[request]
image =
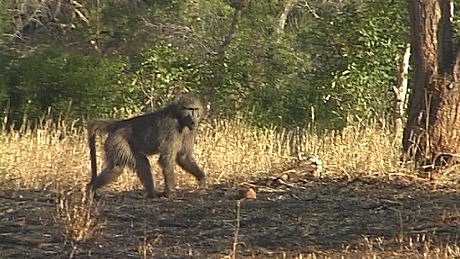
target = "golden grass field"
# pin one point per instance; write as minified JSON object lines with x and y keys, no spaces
{"x":364,"y":204}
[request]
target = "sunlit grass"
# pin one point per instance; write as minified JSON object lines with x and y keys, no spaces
{"x":56,"y":157}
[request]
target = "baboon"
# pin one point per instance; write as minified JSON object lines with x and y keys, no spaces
{"x":169,"y":131}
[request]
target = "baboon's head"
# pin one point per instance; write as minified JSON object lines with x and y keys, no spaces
{"x":188,"y":110}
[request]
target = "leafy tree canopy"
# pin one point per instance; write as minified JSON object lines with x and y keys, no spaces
{"x":331,"y":60}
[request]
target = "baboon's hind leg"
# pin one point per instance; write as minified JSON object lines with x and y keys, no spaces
{"x":143,"y":171}
{"x":166,"y":162}
{"x":108,"y":175}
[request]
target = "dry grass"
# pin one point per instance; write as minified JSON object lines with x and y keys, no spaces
{"x":54,"y":156}
{"x":78,"y":216}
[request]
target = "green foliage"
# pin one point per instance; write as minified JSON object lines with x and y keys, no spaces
{"x":372,"y":60}
{"x":340,"y":64}
{"x":6,"y":54}
{"x":334,"y":59}
{"x":70,"y":84}
{"x":5,"y":58}
{"x":157,"y":73}
{"x":355,"y":53}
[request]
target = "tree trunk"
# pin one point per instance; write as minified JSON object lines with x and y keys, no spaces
{"x":281,"y":22}
{"x":400,"y":95}
{"x":432,"y":132}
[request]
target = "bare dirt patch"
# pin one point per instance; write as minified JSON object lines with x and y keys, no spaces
{"x":327,"y":216}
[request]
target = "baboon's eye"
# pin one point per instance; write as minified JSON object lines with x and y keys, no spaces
{"x":193,"y":111}
{"x":191,"y":108}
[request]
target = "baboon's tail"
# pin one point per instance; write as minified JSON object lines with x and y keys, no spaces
{"x":93,"y":128}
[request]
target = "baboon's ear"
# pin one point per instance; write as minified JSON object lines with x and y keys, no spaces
{"x":205,"y":110}
{"x":181,"y":98}
{"x":175,"y":100}
{"x":187,"y":99}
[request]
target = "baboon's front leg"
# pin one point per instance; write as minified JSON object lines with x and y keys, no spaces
{"x":188,"y":163}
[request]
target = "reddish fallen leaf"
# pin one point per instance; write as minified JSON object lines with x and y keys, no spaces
{"x":247,"y":193}
{"x":250,"y":194}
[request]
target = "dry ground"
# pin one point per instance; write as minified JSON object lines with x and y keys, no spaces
{"x":311,"y":217}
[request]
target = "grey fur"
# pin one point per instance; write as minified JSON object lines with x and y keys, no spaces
{"x":168,"y":131}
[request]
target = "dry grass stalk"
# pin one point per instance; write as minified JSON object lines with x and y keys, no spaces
{"x":237,"y":229}
{"x":79,"y":217}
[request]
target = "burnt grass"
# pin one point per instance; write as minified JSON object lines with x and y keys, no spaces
{"x":328,"y":216}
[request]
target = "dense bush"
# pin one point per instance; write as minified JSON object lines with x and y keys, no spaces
{"x":68,"y":84}
{"x":331,"y":61}
{"x":157,"y":73}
